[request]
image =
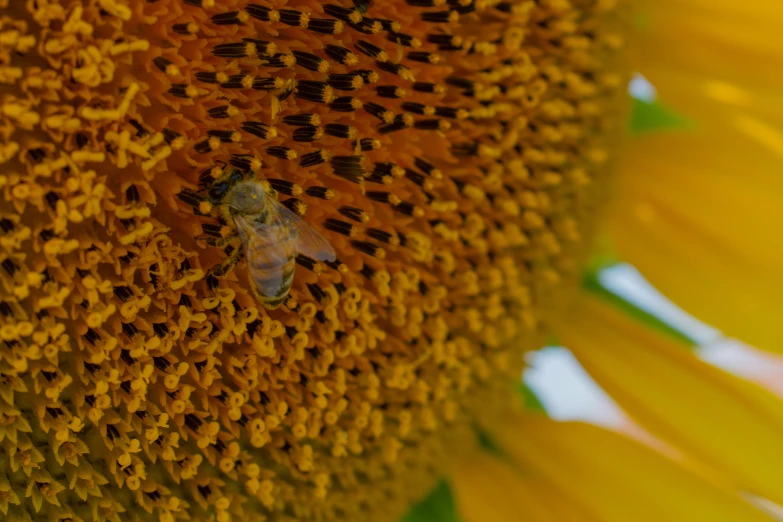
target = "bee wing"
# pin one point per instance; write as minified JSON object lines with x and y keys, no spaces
{"x":273,"y":241}
{"x":309,"y":241}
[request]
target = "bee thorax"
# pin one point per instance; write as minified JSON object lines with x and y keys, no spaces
{"x":247,"y":197}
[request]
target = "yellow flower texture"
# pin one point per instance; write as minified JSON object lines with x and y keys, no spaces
{"x":452,"y":152}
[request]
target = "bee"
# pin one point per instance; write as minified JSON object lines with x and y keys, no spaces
{"x":271,"y":236}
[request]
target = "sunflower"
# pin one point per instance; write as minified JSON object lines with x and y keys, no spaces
{"x":460,"y":157}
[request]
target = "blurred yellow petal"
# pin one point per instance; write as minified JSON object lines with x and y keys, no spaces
{"x":722,"y":40}
{"x":562,"y":507}
{"x":727,"y":423}
{"x":700,"y":216}
{"x":616,"y":478}
{"x":707,"y":100}
{"x":488,"y":489}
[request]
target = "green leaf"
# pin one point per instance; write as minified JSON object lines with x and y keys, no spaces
{"x":438,"y":506}
{"x":532,"y":402}
{"x":487,"y":442}
{"x":653,"y":117}
{"x":592,"y":283}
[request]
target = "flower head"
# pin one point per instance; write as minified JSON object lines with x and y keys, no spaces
{"x":451,"y":152}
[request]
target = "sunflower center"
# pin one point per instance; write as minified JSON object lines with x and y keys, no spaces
{"x":450,"y":151}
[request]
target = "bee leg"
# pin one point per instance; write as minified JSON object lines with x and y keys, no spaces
{"x":219,"y":242}
{"x":226,"y":266}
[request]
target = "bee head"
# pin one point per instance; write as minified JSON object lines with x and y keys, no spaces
{"x":247,"y":197}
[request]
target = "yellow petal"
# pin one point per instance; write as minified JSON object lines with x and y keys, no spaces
{"x":700,"y":215}
{"x":488,"y":489}
{"x":726,"y":57}
{"x":618,"y":479}
{"x":707,"y":100}
{"x":727,"y":423}
{"x":724,"y":40}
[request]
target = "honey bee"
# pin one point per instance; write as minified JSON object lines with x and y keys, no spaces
{"x":271,"y":236}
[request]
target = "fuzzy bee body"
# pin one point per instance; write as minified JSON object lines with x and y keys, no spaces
{"x":270,"y":251}
{"x":272,"y":236}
